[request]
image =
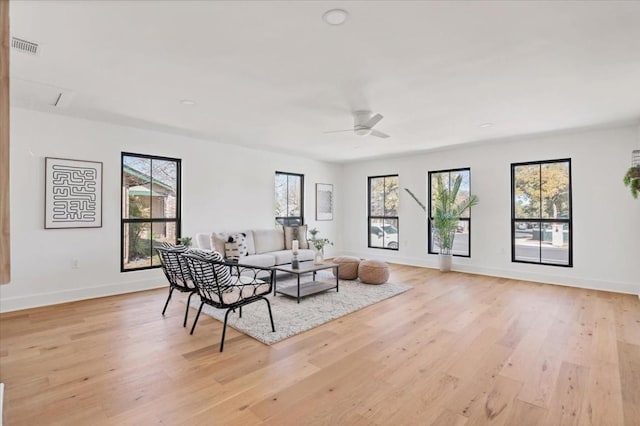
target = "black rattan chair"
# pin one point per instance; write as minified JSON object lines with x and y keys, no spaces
{"x":227,"y":285}
{"x":177,"y":273}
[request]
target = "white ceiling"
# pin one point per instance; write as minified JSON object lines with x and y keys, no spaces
{"x":274,"y":76}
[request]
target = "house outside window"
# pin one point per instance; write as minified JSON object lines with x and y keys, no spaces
{"x":541,"y":213}
{"x":383,"y":220}
{"x":289,"y":199}
{"x":462,"y":240}
{"x":150,"y":212}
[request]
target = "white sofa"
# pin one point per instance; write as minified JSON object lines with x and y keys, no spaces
{"x":266,"y":247}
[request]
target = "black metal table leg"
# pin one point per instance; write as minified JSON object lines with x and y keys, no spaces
{"x":274,"y":283}
{"x":298,"y":287}
{"x":337,"y":281}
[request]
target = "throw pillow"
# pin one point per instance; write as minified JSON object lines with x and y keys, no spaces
{"x":241,"y":240}
{"x":295,"y":233}
{"x":232,"y":251}
{"x":204,"y":276}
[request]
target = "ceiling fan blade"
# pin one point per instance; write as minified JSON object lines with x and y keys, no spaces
{"x":339,"y":131}
{"x":373,"y":121}
{"x":379,"y":134}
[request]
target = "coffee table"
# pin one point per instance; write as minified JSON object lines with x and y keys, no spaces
{"x":309,"y":287}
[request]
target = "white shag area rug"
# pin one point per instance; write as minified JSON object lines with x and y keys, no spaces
{"x":291,"y":318}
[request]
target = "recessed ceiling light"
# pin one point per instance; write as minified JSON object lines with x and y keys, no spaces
{"x":485,"y":125}
{"x":187,"y":102}
{"x":335,"y":16}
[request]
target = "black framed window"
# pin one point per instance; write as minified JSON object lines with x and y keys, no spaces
{"x":383,"y":212}
{"x":150,"y":213}
{"x":541,"y":213}
{"x":462,"y":239}
{"x":289,"y":199}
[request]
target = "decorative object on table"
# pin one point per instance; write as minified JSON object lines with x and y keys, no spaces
{"x":324,"y":201}
{"x":294,"y":318}
{"x":632,"y":177}
{"x":295,"y":264}
{"x":373,"y":272}
{"x":447,"y":210}
{"x":348,"y":267}
{"x":318,"y":244}
{"x":73,"y":193}
{"x":185,"y":241}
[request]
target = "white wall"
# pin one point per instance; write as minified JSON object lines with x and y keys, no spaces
{"x":224,"y":187}
{"x":606,"y":219}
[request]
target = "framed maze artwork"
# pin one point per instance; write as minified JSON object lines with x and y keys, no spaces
{"x":73,"y":193}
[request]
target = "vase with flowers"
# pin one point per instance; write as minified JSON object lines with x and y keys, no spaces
{"x":318,"y":244}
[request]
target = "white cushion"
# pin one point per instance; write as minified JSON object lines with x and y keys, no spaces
{"x":236,"y":293}
{"x":203,"y":242}
{"x":264,"y":260}
{"x":283,"y":256}
{"x":268,"y":240}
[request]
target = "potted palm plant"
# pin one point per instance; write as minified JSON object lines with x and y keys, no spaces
{"x":447,"y":210}
{"x":632,"y":180}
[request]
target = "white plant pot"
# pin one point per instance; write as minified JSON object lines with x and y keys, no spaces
{"x":445,"y":262}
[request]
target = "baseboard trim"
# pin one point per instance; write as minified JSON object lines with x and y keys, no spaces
{"x":11,"y":304}
{"x":586,"y":283}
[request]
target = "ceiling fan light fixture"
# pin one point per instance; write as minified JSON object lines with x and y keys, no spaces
{"x":362,"y":132}
{"x":335,"y":16}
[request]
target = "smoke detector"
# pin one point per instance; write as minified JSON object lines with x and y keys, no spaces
{"x":24,"y":46}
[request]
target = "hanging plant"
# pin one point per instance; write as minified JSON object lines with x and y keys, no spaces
{"x":632,"y":180}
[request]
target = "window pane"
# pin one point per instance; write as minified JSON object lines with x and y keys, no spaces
{"x":391,"y":196}
{"x":164,"y":232}
{"x":376,"y":233}
{"x":390,"y":233}
{"x":555,"y":244}
{"x":136,"y":181}
{"x":288,"y":221}
{"x":444,"y":178}
{"x":465,"y":188}
{"x":281,"y":195}
{"x":555,"y":190}
{"x":377,"y":197}
{"x":294,"y":195}
{"x":163,"y":188}
{"x":461,"y":239}
{"x":527,"y":191}
{"x":527,"y":241}
{"x":137,"y":245}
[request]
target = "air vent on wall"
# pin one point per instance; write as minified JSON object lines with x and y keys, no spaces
{"x":24,"y":46}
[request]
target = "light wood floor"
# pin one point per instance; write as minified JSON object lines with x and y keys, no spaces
{"x":458,"y":349}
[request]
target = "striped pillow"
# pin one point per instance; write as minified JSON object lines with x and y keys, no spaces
{"x":205,"y":275}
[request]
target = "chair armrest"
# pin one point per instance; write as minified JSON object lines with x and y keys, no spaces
{"x":257,"y":272}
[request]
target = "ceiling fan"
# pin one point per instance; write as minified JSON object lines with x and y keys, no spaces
{"x":363,"y":123}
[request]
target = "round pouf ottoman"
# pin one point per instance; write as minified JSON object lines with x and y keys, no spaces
{"x":348,"y":269}
{"x":373,"y":272}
